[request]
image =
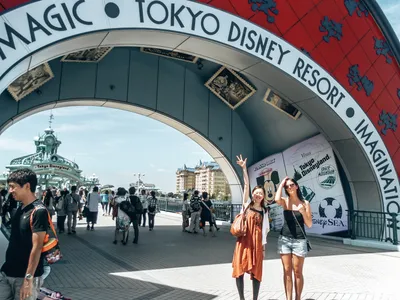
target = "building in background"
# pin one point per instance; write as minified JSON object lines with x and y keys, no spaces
{"x":205,"y":177}
{"x":185,"y":179}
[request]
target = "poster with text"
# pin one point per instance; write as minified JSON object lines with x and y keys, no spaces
{"x":269,"y":172}
{"x":312,"y":164}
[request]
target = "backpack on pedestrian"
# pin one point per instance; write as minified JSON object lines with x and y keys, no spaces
{"x":137,"y":204}
{"x":128,"y":208}
{"x":51,"y":248}
{"x":152,"y":208}
{"x":195,"y":204}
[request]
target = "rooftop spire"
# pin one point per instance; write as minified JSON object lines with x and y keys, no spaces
{"x":51,"y":119}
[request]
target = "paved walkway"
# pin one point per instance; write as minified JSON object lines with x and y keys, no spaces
{"x":169,"y":264}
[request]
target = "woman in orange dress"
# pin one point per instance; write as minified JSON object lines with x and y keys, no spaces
{"x":249,"y":251}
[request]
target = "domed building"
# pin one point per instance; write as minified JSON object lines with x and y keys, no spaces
{"x":52,"y":169}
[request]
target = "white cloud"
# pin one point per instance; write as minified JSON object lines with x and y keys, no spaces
{"x":161,"y":170}
{"x":20,"y":146}
{"x":152,"y":166}
{"x":92,"y":125}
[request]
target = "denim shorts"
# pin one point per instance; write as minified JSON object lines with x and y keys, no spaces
{"x":288,"y":245}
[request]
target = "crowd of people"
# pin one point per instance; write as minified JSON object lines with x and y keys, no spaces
{"x":27,"y":214}
{"x":27,"y":217}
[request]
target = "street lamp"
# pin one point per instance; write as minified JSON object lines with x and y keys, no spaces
{"x":138,"y":182}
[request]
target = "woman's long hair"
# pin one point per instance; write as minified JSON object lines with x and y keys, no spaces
{"x":251,"y":196}
{"x":299,"y":194}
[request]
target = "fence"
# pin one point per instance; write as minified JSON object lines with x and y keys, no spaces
{"x":223,"y":212}
{"x":378,"y":226}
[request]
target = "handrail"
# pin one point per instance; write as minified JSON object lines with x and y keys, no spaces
{"x":380,"y":226}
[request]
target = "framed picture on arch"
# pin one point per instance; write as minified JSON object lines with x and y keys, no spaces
{"x":283,"y":105}
{"x":227,"y":85}
{"x":30,"y":81}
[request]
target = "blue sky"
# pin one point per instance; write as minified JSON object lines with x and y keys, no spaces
{"x":115,"y":144}
{"x":111,"y":143}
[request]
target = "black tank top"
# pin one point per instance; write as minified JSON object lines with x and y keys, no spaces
{"x":290,"y":227}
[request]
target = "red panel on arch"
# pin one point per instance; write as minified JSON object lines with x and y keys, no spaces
{"x":302,"y":7}
{"x":261,"y":19}
{"x":286,"y":17}
{"x":384,"y":69}
{"x":7,"y":4}
{"x":348,"y":41}
{"x":358,"y":57}
{"x":396,"y":161}
{"x":330,"y":9}
{"x":359,"y":25}
{"x":393,"y":89}
{"x":225,"y":5}
{"x":389,"y":139}
{"x":386,"y":102}
{"x":312,"y":22}
{"x":243,"y":8}
{"x":298,"y":37}
{"x":341,"y":74}
{"x":332,"y":53}
{"x":378,"y":84}
{"x":367,"y":43}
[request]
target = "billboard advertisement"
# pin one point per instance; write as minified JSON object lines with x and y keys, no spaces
{"x":312,"y":164}
{"x":269,"y":172}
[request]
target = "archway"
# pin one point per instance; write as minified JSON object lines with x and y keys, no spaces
{"x":197,"y":29}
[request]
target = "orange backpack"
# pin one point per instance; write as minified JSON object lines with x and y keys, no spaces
{"x":51,"y":248}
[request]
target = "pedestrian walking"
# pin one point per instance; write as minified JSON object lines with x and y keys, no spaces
{"x":138,"y":208}
{"x":122,"y":219}
{"x":195,"y":211}
{"x":152,"y":209}
{"x":73,"y":206}
{"x":206,"y":214}
{"x":145,"y":204}
{"x":21,"y":272}
{"x":93,"y":200}
{"x":292,"y":242}
{"x":249,"y":250}
{"x":61,"y":210}
{"x":185,"y":212}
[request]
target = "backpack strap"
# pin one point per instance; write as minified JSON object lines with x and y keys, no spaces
{"x":49,"y":220}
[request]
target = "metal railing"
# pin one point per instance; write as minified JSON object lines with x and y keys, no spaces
{"x":223,"y":212}
{"x":380,"y":226}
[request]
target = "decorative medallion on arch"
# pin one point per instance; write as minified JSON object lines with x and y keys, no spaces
{"x":342,"y":57}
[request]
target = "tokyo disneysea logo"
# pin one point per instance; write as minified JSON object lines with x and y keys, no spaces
{"x":330,"y":208}
{"x":327,"y":177}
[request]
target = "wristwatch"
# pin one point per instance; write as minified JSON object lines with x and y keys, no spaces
{"x":28,"y":276}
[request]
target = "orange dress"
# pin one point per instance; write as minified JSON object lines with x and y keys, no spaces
{"x":248,"y":256}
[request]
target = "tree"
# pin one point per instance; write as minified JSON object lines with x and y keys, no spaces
{"x":170,"y":195}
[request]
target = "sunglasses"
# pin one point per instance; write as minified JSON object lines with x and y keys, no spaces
{"x":289,"y":186}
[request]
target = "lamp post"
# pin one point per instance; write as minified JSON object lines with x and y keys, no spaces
{"x":138,"y":175}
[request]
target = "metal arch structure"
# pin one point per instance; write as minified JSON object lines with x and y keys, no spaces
{"x":339,"y":106}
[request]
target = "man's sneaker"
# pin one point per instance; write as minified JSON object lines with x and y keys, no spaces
{"x":73,"y":231}
{"x":88,"y":227}
{"x":69,"y":232}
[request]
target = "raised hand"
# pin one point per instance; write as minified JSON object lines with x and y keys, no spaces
{"x":283,"y":182}
{"x":241,"y":162}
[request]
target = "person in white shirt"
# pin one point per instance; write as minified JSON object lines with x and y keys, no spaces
{"x":145,"y":203}
{"x":93,"y":201}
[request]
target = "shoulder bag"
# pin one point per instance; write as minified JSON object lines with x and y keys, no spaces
{"x":307,"y":240}
{"x":239,"y":224}
{"x":51,"y":248}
